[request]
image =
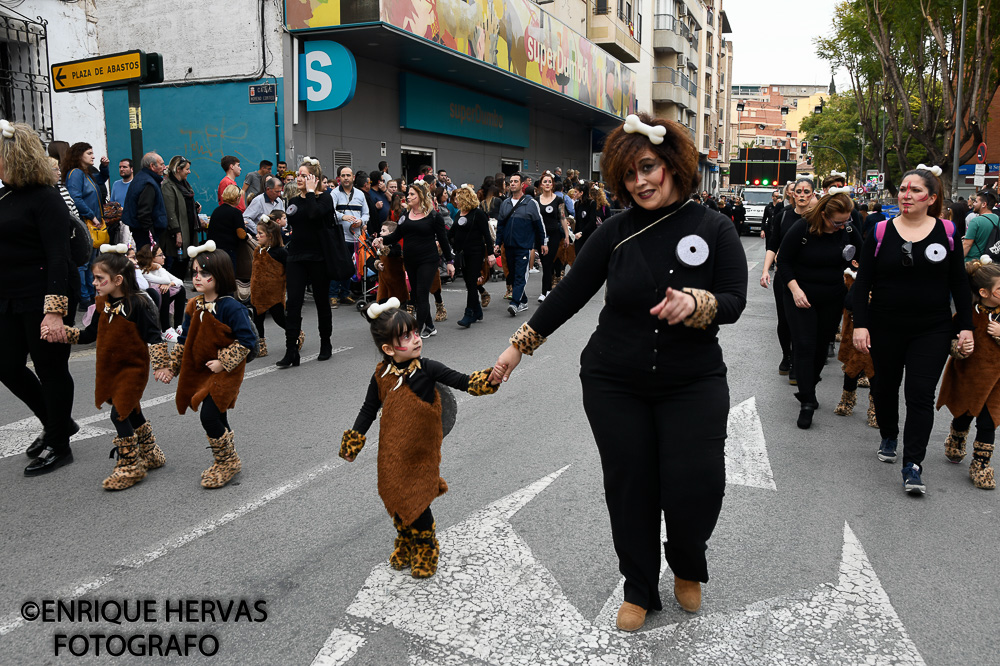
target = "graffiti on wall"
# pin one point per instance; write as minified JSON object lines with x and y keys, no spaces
{"x":513,"y":35}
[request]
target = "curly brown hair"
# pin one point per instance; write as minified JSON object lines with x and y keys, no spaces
{"x":72,"y":159}
{"x":677,"y":150}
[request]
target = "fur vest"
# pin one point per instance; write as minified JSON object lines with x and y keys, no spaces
{"x":972,"y":383}
{"x":122,"y":362}
{"x":205,"y":337}
{"x":267,"y":281}
{"x":853,"y":360}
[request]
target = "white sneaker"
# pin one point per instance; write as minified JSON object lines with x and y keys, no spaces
{"x":533,"y":270}
{"x":428,"y":332}
{"x":541,"y":297}
{"x":522,"y":307}
{"x":169,"y":335}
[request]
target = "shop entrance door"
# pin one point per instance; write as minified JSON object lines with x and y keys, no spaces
{"x":413,"y":158}
{"x":509,"y":166}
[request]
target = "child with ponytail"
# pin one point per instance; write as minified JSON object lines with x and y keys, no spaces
{"x":409,"y":448}
{"x":971,"y":385}
{"x":267,"y":280}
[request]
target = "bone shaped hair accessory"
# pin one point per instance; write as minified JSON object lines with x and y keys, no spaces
{"x":838,"y":173}
{"x":378,"y":308}
{"x":121,"y":248}
{"x":635,"y":126}
{"x":839,"y":190}
{"x":7,"y":129}
{"x":936,"y":170}
{"x":195,"y":250}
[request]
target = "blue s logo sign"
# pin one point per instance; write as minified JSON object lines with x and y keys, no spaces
{"x":328,"y":75}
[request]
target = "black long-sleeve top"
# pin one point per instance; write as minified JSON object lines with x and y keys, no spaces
{"x":471,"y":233}
{"x":916,"y":295}
{"x":308,"y":214}
{"x":586,"y":218}
{"x":771,"y":213}
{"x":223,"y":225}
{"x":780,"y":224}
{"x":420,"y":236}
{"x":279,"y":253}
{"x":817,"y":262}
{"x":139,"y":310}
{"x":552,"y":221}
{"x":420,"y":382}
{"x":34,"y":254}
{"x":638,"y":272}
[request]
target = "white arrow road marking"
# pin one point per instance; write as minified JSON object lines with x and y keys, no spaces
{"x":747,"y":463}
{"x":15,"y":437}
{"x":752,"y":265}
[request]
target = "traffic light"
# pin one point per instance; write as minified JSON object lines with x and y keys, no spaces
{"x":748,"y":182}
{"x":765,"y":183}
{"x":803,"y":147}
{"x":756,"y":182}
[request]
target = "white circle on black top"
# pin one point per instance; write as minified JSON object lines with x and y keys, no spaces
{"x":549,"y":209}
{"x":462,"y":220}
{"x":935,"y":253}
{"x":849,"y":252}
{"x":583,"y":213}
{"x":692,"y":250}
{"x":292,"y":209}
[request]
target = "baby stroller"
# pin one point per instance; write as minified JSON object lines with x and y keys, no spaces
{"x":365,"y":273}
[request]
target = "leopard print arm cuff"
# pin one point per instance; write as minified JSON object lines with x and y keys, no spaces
{"x":956,"y":351}
{"x":159,"y":356}
{"x":705,"y":308}
{"x":232,"y":356}
{"x":479,"y":382}
{"x":56,"y":305}
{"x":526,"y":340}
{"x":351,"y":444}
{"x":176,"y":356}
{"x":72,"y":335}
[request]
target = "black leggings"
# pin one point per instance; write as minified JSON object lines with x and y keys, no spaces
{"x":126,"y":427}
{"x":277,"y":313}
{"x":897,"y":345}
{"x":784,"y":330}
{"x":549,"y":268}
{"x":421,"y":277}
{"x":471,"y":278}
{"x":48,"y":391}
{"x":213,"y":421}
{"x":424,"y":521}
{"x":851,"y":383}
{"x":298,"y":274}
{"x":180,"y":301}
{"x":662,"y":453}
{"x":985,"y":428}
{"x":813,"y":329}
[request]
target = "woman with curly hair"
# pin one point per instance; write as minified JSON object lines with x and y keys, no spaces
{"x":472,"y":244}
{"x":85,"y":188}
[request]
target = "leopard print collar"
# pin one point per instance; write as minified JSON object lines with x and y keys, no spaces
{"x":401,"y":371}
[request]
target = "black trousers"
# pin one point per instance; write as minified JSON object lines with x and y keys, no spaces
{"x":813,"y":329}
{"x":985,"y":428}
{"x":471,"y":270}
{"x":126,"y":427}
{"x":277,"y":313}
{"x":662,"y":448}
{"x":180,"y":302}
{"x":48,"y":391}
{"x":549,"y":267}
{"x":784,"y":330}
{"x":421,"y":276}
{"x":424,"y":521}
{"x":214,"y":422}
{"x":922,"y":353}
{"x":298,"y":274}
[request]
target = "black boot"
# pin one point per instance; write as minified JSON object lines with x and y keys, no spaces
{"x":477,"y":312}
{"x":290,"y":359}
{"x":467,"y":319}
{"x":785,"y":365}
{"x":36,"y":447}
{"x":806,"y":411}
{"x":325,"y":350}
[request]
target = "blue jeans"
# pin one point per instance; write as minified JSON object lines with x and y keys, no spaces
{"x":342,"y":288}
{"x":87,"y":291}
{"x":518,"y":258}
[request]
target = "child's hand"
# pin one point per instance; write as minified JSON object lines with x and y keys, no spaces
{"x":496,"y":376}
{"x":965,"y":340}
{"x":163,"y":375}
{"x":215,"y":365}
{"x":994,"y":329}
{"x":45,"y":332}
{"x":480,"y":280}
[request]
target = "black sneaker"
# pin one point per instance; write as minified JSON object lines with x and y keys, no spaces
{"x":887,"y":450}
{"x":791,"y":376}
{"x":784,"y":366}
{"x":512,"y":309}
{"x":806,"y":415}
{"x":912,"y":482}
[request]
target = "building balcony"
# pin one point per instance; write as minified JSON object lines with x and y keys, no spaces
{"x":613,"y":32}
{"x":669,"y":85}
{"x":667,"y":35}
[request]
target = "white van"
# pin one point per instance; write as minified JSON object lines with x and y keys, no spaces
{"x":755,"y":199}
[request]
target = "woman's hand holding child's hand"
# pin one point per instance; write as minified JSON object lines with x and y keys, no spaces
{"x":163,"y":375}
{"x":215,"y":365}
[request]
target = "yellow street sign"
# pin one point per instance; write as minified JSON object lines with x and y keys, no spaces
{"x":108,"y":71}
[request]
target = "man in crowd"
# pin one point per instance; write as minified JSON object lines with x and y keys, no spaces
{"x":977,"y":235}
{"x":351,"y":209}
{"x":120,"y":187}
{"x":519,"y":230}
{"x":771,"y":211}
{"x":557,"y":176}
{"x":708,"y":201}
{"x":875,"y":216}
{"x":363,"y":184}
{"x":444,"y":181}
{"x":378,"y":205}
{"x":383,"y":172}
{"x":263,"y":204}
{"x":231,"y":165}
{"x":253,"y":184}
{"x":391,"y":187}
{"x":144,"y":212}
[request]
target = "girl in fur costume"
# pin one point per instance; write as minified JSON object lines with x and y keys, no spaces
{"x":389,"y":265}
{"x":127,"y":332}
{"x":210,"y":357}
{"x":267,"y":280}
{"x":857,"y":366}
{"x":971,"y":385}
{"x":409,"y":451}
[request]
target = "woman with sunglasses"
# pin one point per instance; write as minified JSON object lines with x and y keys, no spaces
{"x":803,"y":192}
{"x":912,"y":268}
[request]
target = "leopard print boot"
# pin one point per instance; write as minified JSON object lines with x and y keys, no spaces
{"x":263,"y":348}
{"x":129,"y":469}
{"x":411,"y":310}
{"x":954,"y":446}
{"x":441,"y":314}
{"x":848,"y":399}
{"x":302,"y":339}
{"x":227,"y":463}
{"x":979,"y":470}
{"x":484,"y":298}
{"x":150,"y":452}
{"x":864,"y":382}
{"x":402,"y":551}
{"x":426,"y":550}
{"x":509,"y":294}
{"x":872,"y":421}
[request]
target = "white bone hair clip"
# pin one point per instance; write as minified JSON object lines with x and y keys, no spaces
{"x":7,"y":128}
{"x":378,"y":308}
{"x":635,"y":126}
{"x":936,"y":170}
{"x":310,"y":160}
{"x":838,"y":173}
{"x":839,"y":190}
{"x":121,"y":248}
{"x":195,"y":250}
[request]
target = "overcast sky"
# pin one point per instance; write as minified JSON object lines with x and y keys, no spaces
{"x":773,"y":41}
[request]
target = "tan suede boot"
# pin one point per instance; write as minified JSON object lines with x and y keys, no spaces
{"x":688,"y":594}
{"x":631,"y":617}
{"x":872,"y":421}
{"x":979,"y":470}
{"x":227,"y":463}
{"x":263,"y":348}
{"x":848,"y":399}
{"x":129,"y":469}
{"x":150,"y":452}
{"x":402,"y":551}
{"x":424,"y":562}
{"x":954,"y":446}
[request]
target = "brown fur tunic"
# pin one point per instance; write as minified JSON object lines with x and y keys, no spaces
{"x":409,"y":449}
{"x":122,"y":362}
{"x":205,"y":337}
{"x":971,"y":383}
{"x":392,"y":280}
{"x":267,"y":282}
{"x":853,"y":360}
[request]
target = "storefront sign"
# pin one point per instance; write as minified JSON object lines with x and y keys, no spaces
{"x":514,"y":35}
{"x":328,"y":75}
{"x":432,"y":106}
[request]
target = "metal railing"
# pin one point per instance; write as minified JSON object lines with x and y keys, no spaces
{"x":24,"y":73}
{"x":708,"y":100}
{"x":707,"y":143}
{"x":665,"y":22}
{"x":665,"y":74}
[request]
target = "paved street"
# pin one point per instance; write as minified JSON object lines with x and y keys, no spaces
{"x":819,"y":556}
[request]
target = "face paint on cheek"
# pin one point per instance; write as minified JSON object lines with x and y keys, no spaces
{"x":400,"y":349}
{"x":923,"y":198}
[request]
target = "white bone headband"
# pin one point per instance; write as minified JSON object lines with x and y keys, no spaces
{"x":264,"y":218}
{"x":121,"y":248}
{"x":985,"y":259}
{"x":838,"y":173}
{"x":374,"y":311}
{"x":839,"y":190}
{"x":195,"y":250}
{"x":7,"y":128}
{"x":635,"y":126}
{"x":312,"y":161}
{"x":936,"y":170}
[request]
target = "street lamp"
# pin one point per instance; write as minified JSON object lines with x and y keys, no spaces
{"x":958,"y":111}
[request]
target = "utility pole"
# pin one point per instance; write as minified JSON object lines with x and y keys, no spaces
{"x":958,"y":110}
